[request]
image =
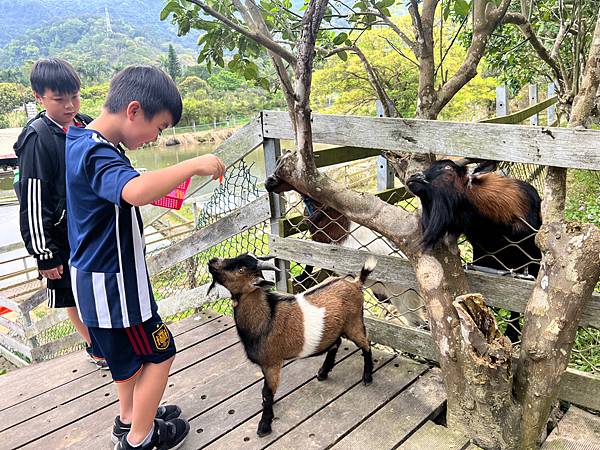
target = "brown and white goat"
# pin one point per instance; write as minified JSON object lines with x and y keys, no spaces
{"x":275,"y":327}
{"x":329,"y":226}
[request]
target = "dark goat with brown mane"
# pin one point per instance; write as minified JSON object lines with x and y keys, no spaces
{"x":498,"y":215}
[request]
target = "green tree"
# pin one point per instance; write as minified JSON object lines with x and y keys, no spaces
{"x":193,"y":86}
{"x":173,"y":64}
{"x":12,"y":95}
{"x":224,"y":80}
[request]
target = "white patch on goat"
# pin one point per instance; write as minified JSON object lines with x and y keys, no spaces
{"x":314,"y":322}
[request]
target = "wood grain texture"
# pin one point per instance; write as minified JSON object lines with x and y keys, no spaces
{"x":505,"y":292}
{"x":559,"y":147}
{"x":233,"y":223}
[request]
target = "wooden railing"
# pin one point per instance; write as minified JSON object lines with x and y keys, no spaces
{"x":363,"y":137}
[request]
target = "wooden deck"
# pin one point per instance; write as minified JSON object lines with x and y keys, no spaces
{"x":67,"y":403}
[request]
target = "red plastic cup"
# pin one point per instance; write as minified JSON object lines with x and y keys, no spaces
{"x":174,"y":199}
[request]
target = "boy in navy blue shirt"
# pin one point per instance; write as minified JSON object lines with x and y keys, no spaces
{"x":110,"y":279}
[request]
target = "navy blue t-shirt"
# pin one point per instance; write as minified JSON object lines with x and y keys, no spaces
{"x":108,"y":268}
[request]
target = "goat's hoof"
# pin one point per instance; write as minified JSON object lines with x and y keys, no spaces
{"x":321,"y":376}
{"x":367,"y":379}
{"x":263,"y":429}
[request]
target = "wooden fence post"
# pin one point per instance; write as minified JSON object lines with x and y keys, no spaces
{"x":385,"y":173}
{"x":501,"y":101}
{"x":533,"y":99}
{"x":551,"y":111}
{"x":272,"y":151}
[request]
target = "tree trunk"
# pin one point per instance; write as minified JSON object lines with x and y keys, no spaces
{"x":485,"y":409}
{"x":569,"y":272}
{"x":563,"y":287}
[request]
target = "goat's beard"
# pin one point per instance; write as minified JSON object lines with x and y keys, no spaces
{"x":216,"y":290}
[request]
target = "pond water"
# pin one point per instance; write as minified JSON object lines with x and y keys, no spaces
{"x":150,"y":158}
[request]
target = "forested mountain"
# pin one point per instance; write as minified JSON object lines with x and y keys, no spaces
{"x":78,"y":31}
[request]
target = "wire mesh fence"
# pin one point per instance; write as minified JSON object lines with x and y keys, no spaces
{"x":306,"y":219}
{"x":239,"y":187}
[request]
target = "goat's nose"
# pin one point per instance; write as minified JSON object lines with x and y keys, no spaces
{"x":271,"y":183}
{"x":417,"y":176}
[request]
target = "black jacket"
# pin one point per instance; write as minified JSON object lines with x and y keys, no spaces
{"x":40,"y":149}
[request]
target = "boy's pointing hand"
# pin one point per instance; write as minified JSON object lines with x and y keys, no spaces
{"x":209,"y":165}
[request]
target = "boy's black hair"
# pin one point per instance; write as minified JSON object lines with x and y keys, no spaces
{"x":54,"y":74}
{"x":152,"y":87}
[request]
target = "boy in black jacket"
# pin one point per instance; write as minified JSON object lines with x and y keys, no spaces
{"x":42,"y":188}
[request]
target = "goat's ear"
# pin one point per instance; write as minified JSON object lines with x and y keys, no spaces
{"x":262,"y":283}
{"x":265,"y":258}
{"x":484,"y":168}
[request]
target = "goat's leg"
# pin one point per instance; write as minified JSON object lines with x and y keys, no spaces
{"x":268,"y":393}
{"x":329,"y":361}
{"x":357,"y":333}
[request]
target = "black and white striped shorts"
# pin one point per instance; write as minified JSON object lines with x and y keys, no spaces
{"x":60,"y":298}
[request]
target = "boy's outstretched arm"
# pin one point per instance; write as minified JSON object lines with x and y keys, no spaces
{"x":151,"y":186}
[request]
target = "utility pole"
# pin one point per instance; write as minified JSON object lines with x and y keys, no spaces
{"x":108,"y":27}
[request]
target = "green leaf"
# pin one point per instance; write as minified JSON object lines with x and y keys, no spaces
{"x":170,"y":7}
{"x":251,"y":71}
{"x":343,"y":55}
{"x":384,"y":3}
{"x":263,"y":83}
{"x":184,"y":26}
{"x":462,"y":8}
{"x":446,"y":10}
{"x":340,"y":38}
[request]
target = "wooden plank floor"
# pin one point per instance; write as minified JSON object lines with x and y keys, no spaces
{"x":67,"y":403}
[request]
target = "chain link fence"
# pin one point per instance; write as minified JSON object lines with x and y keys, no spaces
{"x":306,"y":219}
{"x":239,"y":187}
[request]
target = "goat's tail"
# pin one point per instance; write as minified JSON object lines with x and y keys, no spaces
{"x":367,"y":268}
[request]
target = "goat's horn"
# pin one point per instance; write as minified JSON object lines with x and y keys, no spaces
{"x":462,"y":162}
{"x":267,"y":266}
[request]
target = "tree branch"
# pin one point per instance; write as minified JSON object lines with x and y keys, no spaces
{"x":521,"y":21}
{"x":373,"y":78}
{"x":304,"y":70}
{"x":553,"y":205}
{"x":257,"y":37}
{"x":409,"y":42}
{"x":397,"y":50}
{"x":253,"y":17}
{"x":485,"y":20}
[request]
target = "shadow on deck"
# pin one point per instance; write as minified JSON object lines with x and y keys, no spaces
{"x":67,"y":403}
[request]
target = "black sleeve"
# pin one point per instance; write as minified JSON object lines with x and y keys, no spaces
{"x":37,"y":171}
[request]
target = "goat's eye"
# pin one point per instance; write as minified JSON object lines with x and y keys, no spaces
{"x":447,"y":167}
{"x":241,"y":269}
